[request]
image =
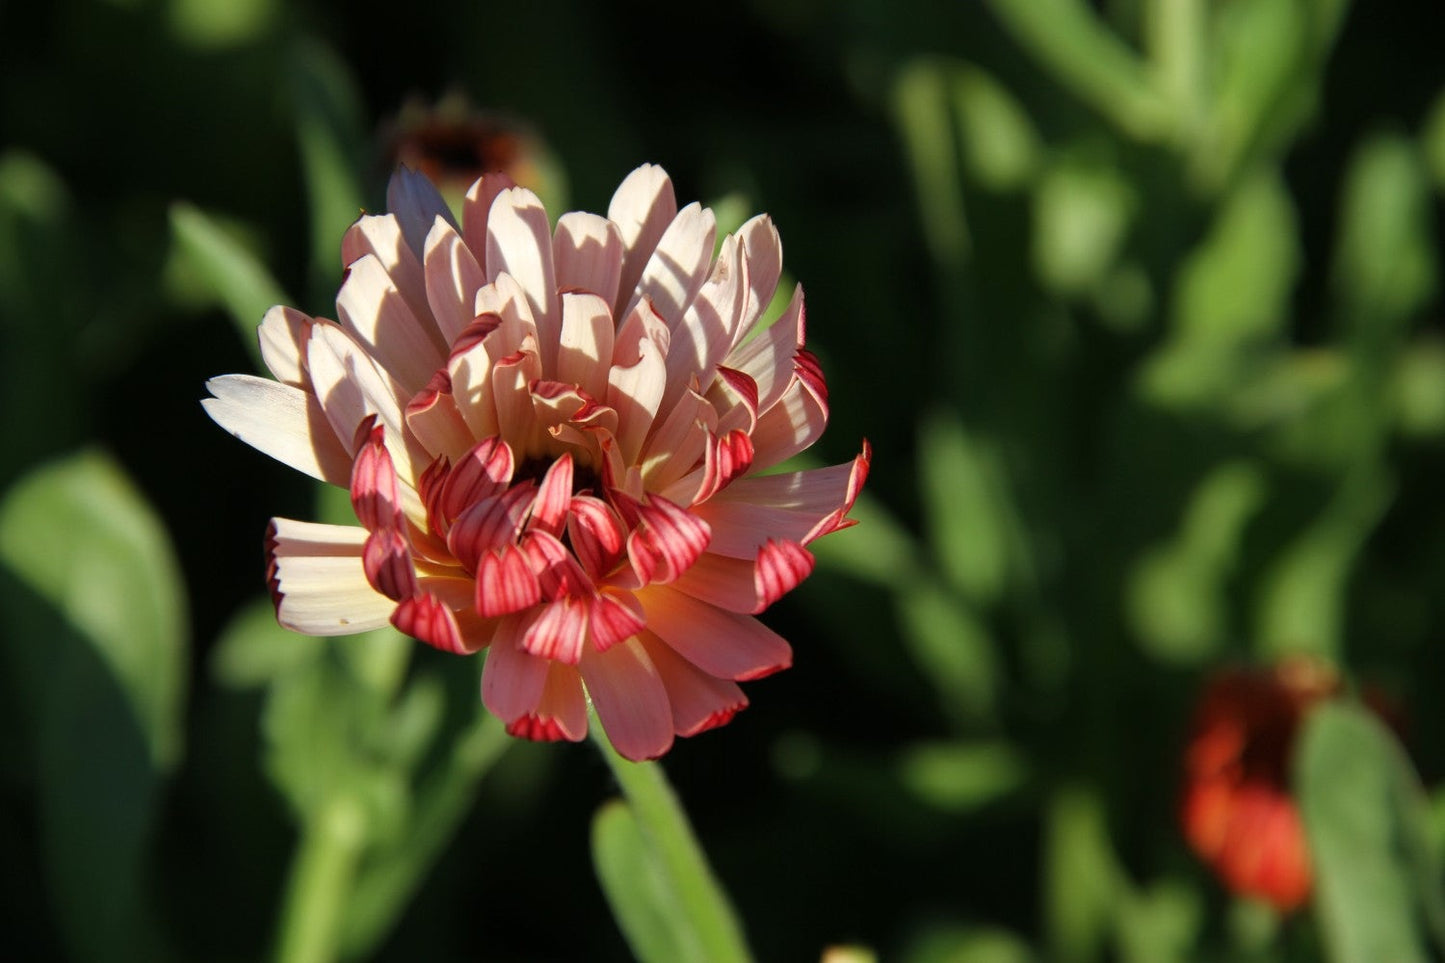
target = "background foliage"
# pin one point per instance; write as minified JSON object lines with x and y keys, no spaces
{"x":1138,"y":301}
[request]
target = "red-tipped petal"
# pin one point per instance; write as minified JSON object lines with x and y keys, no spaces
{"x":666,"y":541}
{"x":488,"y":525}
{"x":596,"y":534}
{"x":505,"y":582}
{"x":481,"y":473}
{"x":723,"y":644}
{"x":614,"y":618}
{"x":388,"y":565}
{"x":425,"y":618}
{"x":549,"y":511}
{"x":559,"y":631}
{"x":781,"y":566}
{"x":727,"y":458}
{"x":699,"y":701}
{"x":375,"y":493}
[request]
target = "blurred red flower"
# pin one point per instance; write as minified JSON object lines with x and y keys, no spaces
{"x":1237,"y":811}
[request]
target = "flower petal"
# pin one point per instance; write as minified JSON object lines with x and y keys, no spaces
{"x":426,"y":619}
{"x":317,"y":581}
{"x":372,"y":309}
{"x":722,"y":644}
{"x":519,"y":243}
{"x":281,"y":421}
{"x":587,"y":254}
{"x":666,"y":539}
{"x":699,"y":701}
{"x":630,"y":699}
{"x":797,"y":420}
{"x":585,"y":353}
{"x":416,"y":204}
{"x":739,"y":585}
{"x":678,"y":266}
{"x":453,"y":278}
{"x":478,"y":206}
{"x":505,"y":582}
{"x":558,"y":631}
{"x":283,"y":335}
{"x":768,"y":358}
{"x":642,"y":208}
{"x":379,"y":235}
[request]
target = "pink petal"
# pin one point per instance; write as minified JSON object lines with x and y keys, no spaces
{"x":317,"y":581}
{"x":511,"y":392}
{"x":596,"y":534}
{"x":483,"y":472}
{"x":489,"y":524}
{"x":475,"y":210}
{"x":642,"y":208}
{"x":796,"y":421}
{"x":416,"y":204}
{"x":699,"y":701}
{"x":558,"y":573}
{"x":562,"y":711}
{"x":747,"y":587}
{"x":512,"y":680}
{"x":558,"y":631}
{"x":281,"y":421}
{"x":549,"y":511}
{"x":426,"y":619}
{"x":666,"y":539}
{"x":764,"y":255}
{"x":817,"y":491}
{"x":634,"y":390}
{"x":375,"y":492}
{"x":348,"y":383}
{"x":505,"y":582}
{"x":768,"y":358}
{"x":587,"y":252}
{"x":283,"y":335}
{"x":709,"y":324}
{"x":386,"y":559}
{"x":679,"y":264}
{"x":372,"y":309}
{"x":613,"y":618}
{"x":630,"y":699}
{"x":453,"y":278}
{"x":519,"y":243}
{"x":727,"y":458}
{"x":723,"y":644}
{"x":380,"y":236}
{"x":436,"y":421}
{"x":585,"y":353}
{"x":675,"y":447}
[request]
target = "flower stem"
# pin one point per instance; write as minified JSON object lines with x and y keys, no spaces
{"x":320,"y":883}
{"x":666,"y":829}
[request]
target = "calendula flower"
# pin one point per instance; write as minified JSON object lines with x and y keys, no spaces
{"x":554,"y":441}
{"x":1238,"y":813}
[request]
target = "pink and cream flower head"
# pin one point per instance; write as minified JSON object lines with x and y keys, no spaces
{"x":555,"y":443}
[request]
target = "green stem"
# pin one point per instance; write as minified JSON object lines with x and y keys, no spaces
{"x":668,"y":833}
{"x":320,"y":883}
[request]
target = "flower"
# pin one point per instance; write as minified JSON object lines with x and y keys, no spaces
{"x":554,"y":442}
{"x":1237,"y":813}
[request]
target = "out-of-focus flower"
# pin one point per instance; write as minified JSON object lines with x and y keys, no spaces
{"x":553,"y":441}
{"x":452,"y":144}
{"x":1237,"y":811}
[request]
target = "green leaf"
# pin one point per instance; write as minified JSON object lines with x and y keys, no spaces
{"x":1377,"y":872}
{"x":953,"y":649}
{"x":253,"y":649}
{"x":921,"y":111}
{"x":1082,"y":212}
{"x":1001,"y":148}
{"x":234,"y":275}
{"x":94,"y":600}
{"x":1384,"y":269}
{"x":963,"y":776}
{"x":967,"y":511}
{"x":637,"y":889}
{"x":1084,"y":879}
{"x":968,"y":944}
{"x":83,"y":538}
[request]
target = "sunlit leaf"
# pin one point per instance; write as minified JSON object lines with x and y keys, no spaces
{"x":1000,"y":146}
{"x":1082,"y":211}
{"x":953,"y":649}
{"x":638,"y":890}
{"x":1377,"y":872}
{"x":921,"y":111}
{"x":960,"y":777}
{"x":967,"y":511}
{"x":1084,"y":880}
{"x":234,"y":275}
{"x":968,"y":944}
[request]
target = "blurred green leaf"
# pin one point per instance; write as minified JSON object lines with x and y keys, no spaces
{"x":219,"y":24}
{"x":966,"y":509}
{"x":638,"y":890}
{"x":1177,"y":32}
{"x":952,"y":648}
{"x":1085,"y":883}
{"x":1300,"y":604}
{"x":1000,"y":146}
{"x":878,"y":549}
{"x":1384,"y":268}
{"x":1231,"y":297}
{"x":1160,"y":924}
{"x":1377,"y":871}
{"x":1432,"y":141}
{"x":921,"y":111}
{"x":1082,"y":212}
{"x":1176,"y":595}
{"x":101,"y":659}
{"x":960,"y":777}
{"x":968,"y":944}
{"x":253,"y":649}
{"x":79,"y":533}
{"x":330,"y":135}
{"x":1089,"y":60}
{"x":1417,"y":389}
{"x":236,"y":277}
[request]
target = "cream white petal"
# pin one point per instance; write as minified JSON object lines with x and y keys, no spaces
{"x":519,"y":243}
{"x":370,"y":306}
{"x":763,"y":250}
{"x":453,"y":278}
{"x":281,"y":421}
{"x":642,"y":208}
{"x":587,"y":255}
{"x":318,"y":581}
{"x":476,"y":209}
{"x":585,"y":353}
{"x":707,"y":330}
{"x":679,"y":265}
{"x":380,"y":236}
{"x":283,"y":335}
{"x":768,"y":358}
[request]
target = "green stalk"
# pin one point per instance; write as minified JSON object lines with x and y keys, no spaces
{"x":668,"y":833}
{"x":320,"y":883}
